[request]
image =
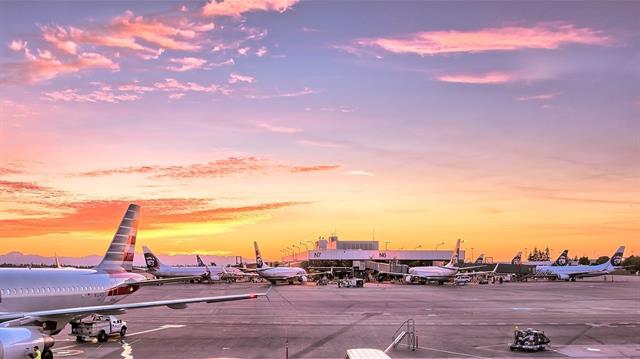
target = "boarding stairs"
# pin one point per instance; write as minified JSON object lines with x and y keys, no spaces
{"x":405,"y":330}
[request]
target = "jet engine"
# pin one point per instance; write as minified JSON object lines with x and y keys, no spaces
{"x":18,"y":342}
{"x":408,"y":279}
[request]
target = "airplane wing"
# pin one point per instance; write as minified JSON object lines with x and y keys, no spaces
{"x":6,"y":318}
{"x":158,"y":281}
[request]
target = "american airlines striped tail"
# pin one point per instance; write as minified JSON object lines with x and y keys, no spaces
{"x":120,"y":253}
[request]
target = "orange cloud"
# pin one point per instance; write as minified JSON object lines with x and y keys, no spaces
{"x":235,"y":8}
{"x":490,"y":78}
{"x":44,"y":66}
{"x":18,"y":186}
{"x":220,"y":168}
{"x":132,"y":32}
{"x":100,"y":215}
{"x":304,"y":169}
{"x":509,"y":38}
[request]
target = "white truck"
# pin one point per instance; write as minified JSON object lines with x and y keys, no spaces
{"x":98,"y":326}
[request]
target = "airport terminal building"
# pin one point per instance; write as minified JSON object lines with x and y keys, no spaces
{"x":332,"y":252}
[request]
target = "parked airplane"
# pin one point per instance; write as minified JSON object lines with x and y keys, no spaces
{"x":438,"y":274}
{"x":161,"y":270}
{"x":562,"y":260}
{"x":38,"y":303}
{"x":517,"y":259}
{"x":228,"y":272}
{"x":275,"y":274}
{"x":570,"y":273}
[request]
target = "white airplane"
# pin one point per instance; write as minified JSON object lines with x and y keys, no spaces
{"x":438,"y":274}
{"x":160,"y":270}
{"x":229,"y":272}
{"x":38,"y":303}
{"x":570,"y":273}
{"x":275,"y":274}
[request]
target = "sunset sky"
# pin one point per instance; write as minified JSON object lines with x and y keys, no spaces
{"x":509,"y":125}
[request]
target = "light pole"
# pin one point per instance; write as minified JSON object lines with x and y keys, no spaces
{"x":304,"y":243}
{"x":438,"y":245}
{"x":472,"y":256}
{"x":295,"y":257}
{"x":386,"y":244}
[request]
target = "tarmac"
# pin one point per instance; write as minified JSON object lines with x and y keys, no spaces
{"x":593,"y":318}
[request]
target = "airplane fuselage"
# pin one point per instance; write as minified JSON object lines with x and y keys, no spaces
{"x":433,"y":272}
{"x":169,"y":272}
{"x":26,"y":290}
{"x":281,"y":273}
{"x":579,"y":271}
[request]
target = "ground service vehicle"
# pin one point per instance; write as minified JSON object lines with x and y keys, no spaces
{"x":529,"y":340}
{"x":98,"y":326}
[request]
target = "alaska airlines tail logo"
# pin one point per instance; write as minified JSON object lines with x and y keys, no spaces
{"x":616,"y":260}
{"x":517,"y":259}
{"x":152,"y":262}
{"x":562,"y":260}
{"x":259,"y":262}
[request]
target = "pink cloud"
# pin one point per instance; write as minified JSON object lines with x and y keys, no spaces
{"x":186,"y":64}
{"x":59,"y":37}
{"x":277,"y":129}
{"x":44,"y":66}
{"x":235,"y":78}
{"x":261,"y":51}
{"x":323,"y":144}
{"x":540,"y":36}
{"x":541,"y":97}
{"x":490,"y":78}
{"x":18,"y":45}
{"x":236,"y":8}
{"x":305,"y":91}
{"x":72,"y":95}
{"x":177,"y":96}
{"x":171,"y":84}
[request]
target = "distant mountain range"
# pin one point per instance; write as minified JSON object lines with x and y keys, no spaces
{"x":18,"y":258}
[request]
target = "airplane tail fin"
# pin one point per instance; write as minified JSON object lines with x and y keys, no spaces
{"x":517,"y":259}
{"x":563,"y":259}
{"x":455,"y":255}
{"x":616,"y":259}
{"x":200,"y":262}
{"x":259,"y":262}
{"x":119,"y":255}
{"x":153,"y":263}
{"x":480,"y":259}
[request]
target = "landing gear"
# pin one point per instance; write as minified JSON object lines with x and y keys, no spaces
{"x":273,"y":282}
{"x":573,"y":279}
{"x":47,"y":354}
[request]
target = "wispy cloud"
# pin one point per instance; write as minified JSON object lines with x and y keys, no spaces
{"x":490,"y":78}
{"x":315,"y":143}
{"x":277,"y":129}
{"x":540,"y":97}
{"x":235,"y":78}
{"x":73,"y":95}
{"x":97,"y":215}
{"x":359,"y":173}
{"x":305,"y":91}
{"x":44,"y":65}
{"x":220,"y":168}
{"x":236,"y":9}
{"x":508,"y":38}
{"x":186,"y":64}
